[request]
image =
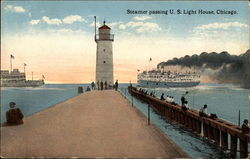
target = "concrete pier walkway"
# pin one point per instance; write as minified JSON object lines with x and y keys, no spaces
{"x":93,"y":124}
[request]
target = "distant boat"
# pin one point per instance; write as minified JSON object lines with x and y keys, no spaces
{"x":159,"y":79}
{"x":17,"y":79}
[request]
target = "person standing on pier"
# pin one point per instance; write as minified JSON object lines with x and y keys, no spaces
{"x":116,"y":85}
{"x":106,"y":84}
{"x":203,"y":111}
{"x":162,"y":96}
{"x":183,"y":99}
{"x":101,"y":85}
{"x":93,"y":85}
{"x":88,"y":89}
{"x":245,"y":127}
{"x":98,"y":85}
{"x":14,"y":115}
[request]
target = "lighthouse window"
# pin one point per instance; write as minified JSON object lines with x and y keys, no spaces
{"x":104,"y":61}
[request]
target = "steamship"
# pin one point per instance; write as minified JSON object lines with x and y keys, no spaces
{"x":159,"y":79}
{"x":16,"y":78}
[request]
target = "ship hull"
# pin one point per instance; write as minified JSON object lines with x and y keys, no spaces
{"x":154,"y":84}
{"x":34,"y":83}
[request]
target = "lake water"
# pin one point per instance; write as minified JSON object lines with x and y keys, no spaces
{"x":224,"y":100}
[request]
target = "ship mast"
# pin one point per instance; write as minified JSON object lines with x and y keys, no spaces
{"x":95,"y":27}
{"x":24,"y":65}
{"x":11,"y":57}
{"x":10,"y":64}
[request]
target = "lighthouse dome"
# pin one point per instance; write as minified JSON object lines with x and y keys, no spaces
{"x":104,"y":27}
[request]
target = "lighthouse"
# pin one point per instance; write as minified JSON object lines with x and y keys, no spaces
{"x":104,"y":55}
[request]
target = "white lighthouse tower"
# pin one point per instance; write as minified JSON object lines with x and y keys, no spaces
{"x":104,"y":55}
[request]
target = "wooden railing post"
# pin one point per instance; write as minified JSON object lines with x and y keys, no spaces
{"x":210,"y":132}
{"x":216,"y":134}
{"x":148,"y":114}
{"x":224,"y":141}
{"x":243,"y":148}
{"x":233,"y":146}
{"x":205,"y":129}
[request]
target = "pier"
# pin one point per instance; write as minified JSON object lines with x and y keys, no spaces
{"x":217,"y":130}
{"x":92,"y":124}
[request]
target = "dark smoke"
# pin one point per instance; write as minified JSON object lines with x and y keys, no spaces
{"x":227,"y":68}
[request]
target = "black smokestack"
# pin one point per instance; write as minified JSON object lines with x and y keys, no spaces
{"x":227,"y":68}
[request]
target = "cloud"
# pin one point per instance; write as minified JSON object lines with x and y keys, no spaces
{"x":51,"y":21}
{"x":231,"y":30}
{"x":221,"y":26}
{"x":114,"y":24}
{"x":73,"y":18}
{"x":17,"y":9}
{"x":93,"y":24}
{"x":142,"y":18}
{"x":35,"y":21}
{"x":65,"y":30}
{"x":141,"y":26}
{"x":122,"y":26}
{"x":8,"y":7}
{"x":67,"y":20}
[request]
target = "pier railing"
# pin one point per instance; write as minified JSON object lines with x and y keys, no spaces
{"x":214,"y":129}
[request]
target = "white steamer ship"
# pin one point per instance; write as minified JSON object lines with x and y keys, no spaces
{"x":157,"y":78}
{"x":16,"y":78}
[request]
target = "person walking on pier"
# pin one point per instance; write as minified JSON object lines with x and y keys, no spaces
{"x":245,"y":127}
{"x":88,"y":89}
{"x":116,"y":85}
{"x":14,"y":115}
{"x":93,"y":85}
{"x":105,"y":85}
{"x":101,"y":85}
{"x":98,"y":85}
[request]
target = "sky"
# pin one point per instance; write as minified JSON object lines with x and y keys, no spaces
{"x":56,"y":38}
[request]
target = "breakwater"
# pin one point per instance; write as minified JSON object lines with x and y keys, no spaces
{"x":89,"y":125}
{"x":222,"y":133}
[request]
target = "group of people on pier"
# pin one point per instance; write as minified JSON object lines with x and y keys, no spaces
{"x":102,"y":86}
{"x":169,"y":99}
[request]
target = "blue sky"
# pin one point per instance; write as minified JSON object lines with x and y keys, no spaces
{"x":56,"y":28}
{"x":115,"y":12}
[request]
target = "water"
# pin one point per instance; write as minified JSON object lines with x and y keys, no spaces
{"x":32,"y":100}
{"x":224,"y":100}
